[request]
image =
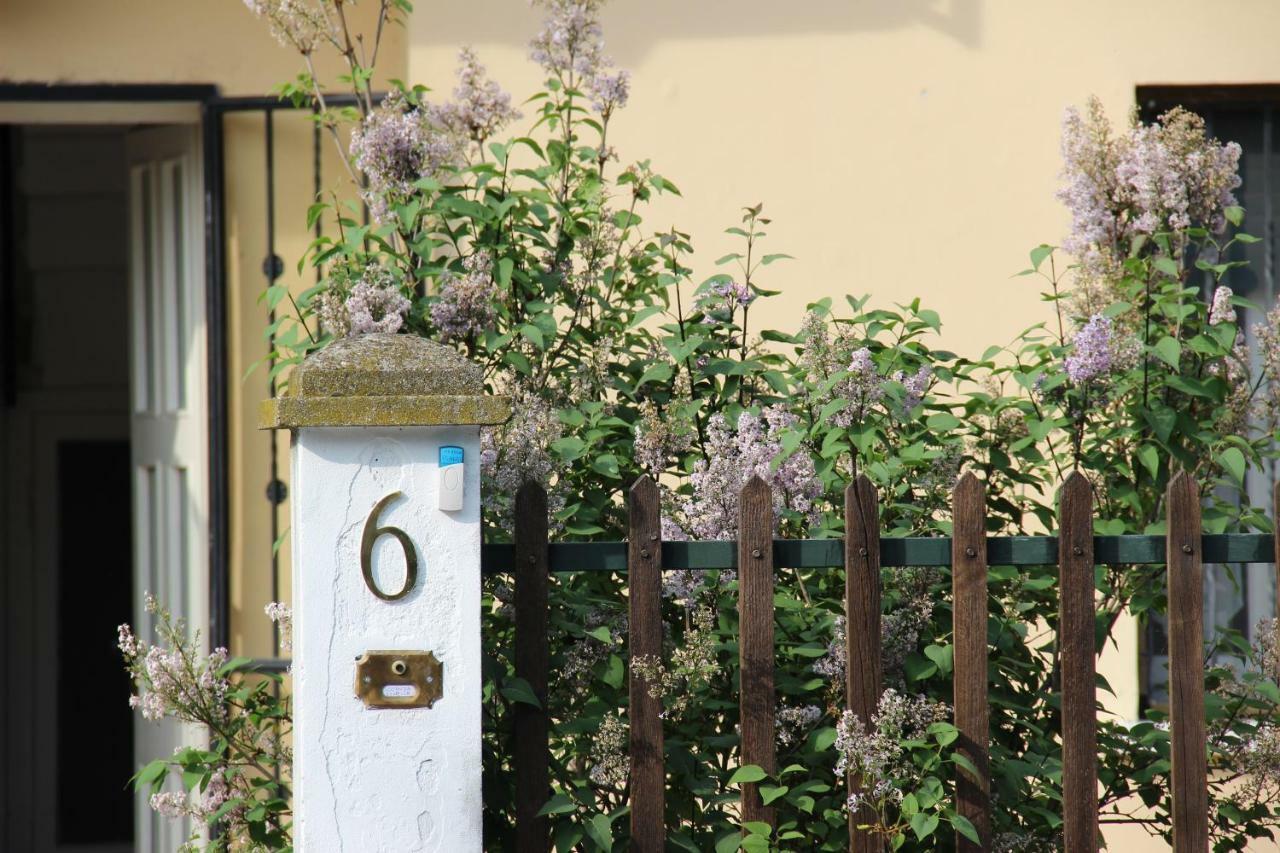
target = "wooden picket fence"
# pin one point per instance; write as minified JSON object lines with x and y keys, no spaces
{"x":969,"y":552}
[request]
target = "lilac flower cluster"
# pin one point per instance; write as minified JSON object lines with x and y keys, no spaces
{"x":1221,"y":310}
{"x":1175,"y":177}
{"x":736,"y":454}
{"x":610,"y":764}
{"x":519,"y":451}
{"x":174,"y":680}
{"x":585,"y":653}
{"x":861,"y":387}
{"x":464,"y":306}
{"x":901,"y":628}
{"x":793,"y":723}
{"x":570,"y":48}
{"x":916,"y":386}
{"x":176,"y":804}
{"x":1267,"y":336}
{"x":1167,"y":176}
{"x":1091,"y":350}
{"x":480,"y":108}
{"x":1097,"y":349}
{"x":295,"y":23}
{"x":571,"y":41}
{"x":394,"y":147}
{"x":609,"y":92}
{"x":691,"y":665}
{"x":835,"y":662}
{"x":282,"y":615}
{"x":660,"y":435}
{"x":723,"y":298}
{"x":376,"y":303}
{"x":874,"y":754}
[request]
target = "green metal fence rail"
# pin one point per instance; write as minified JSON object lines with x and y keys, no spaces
{"x":894,"y":551}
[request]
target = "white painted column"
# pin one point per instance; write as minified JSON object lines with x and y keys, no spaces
{"x":385,"y":778}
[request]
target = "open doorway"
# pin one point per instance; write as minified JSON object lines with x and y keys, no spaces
{"x":67,"y":533}
{"x":102,"y":459}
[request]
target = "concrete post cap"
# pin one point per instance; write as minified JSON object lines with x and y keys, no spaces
{"x":384,"y":380}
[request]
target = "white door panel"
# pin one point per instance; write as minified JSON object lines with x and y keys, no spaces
{"x":168,"y":422}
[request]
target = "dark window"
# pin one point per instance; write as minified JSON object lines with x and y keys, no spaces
{"x":1236,"y":596}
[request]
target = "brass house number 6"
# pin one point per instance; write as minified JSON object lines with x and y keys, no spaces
{"x":371,"y":534}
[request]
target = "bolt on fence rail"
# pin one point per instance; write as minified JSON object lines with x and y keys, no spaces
{"x":644,"y":556}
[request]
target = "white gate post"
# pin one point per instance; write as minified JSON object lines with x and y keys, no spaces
{"x":386,"y":594}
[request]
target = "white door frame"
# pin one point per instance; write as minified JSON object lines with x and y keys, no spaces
{"x":169,"y":421}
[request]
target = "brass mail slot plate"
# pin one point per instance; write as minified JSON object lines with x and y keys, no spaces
{"x":391,"y":679}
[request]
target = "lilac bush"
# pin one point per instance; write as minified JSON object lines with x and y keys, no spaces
{"x":231,"y":781}
{"x":522,"y":241}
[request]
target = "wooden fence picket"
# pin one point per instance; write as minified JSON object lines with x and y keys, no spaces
{"x":1185,"y":550}
{"x":969,"y":602}
{"x":755,"y":641}
{"x":644,"y":582}
{"x":532,"y":656}
{"x":862,"y":625}
{"x":1189,"y":773}
{"x":1078,"y":662}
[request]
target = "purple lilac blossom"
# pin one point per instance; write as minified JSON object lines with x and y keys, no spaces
{"x":916,"y":386}
{"x":609,"y":92}
{"x":861,"y":388}
{"x":738,"y":453}
{"x":1221,"y":310}
{"x":1092,"y":346}
{"x":376,"y":303}
{"x":465,"y":305}
{"x":480,"y":108}
{"x":294,"y":23}
{"x":571,"y":41}
{"x":394,"y":147}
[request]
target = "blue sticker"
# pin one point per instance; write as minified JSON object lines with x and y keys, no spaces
{"x":450,"y":455}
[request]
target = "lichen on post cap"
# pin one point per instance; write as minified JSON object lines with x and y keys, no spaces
{"x":385,"y":380}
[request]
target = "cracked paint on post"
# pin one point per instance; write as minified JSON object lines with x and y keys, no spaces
{"x":392,"y":779}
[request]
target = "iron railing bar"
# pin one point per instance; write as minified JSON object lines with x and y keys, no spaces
{"x":894,"y":551}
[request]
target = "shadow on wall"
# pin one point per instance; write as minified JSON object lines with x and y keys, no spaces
{"x":633,"y":27}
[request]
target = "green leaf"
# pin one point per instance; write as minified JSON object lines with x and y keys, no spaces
{"x":1234,"y":214}
{"x":747,"y":773}
{"x":729,"y":843}
{"x":519,"y":690}
{"x":1150,"y":459}
{"x":769,"y":793}
{"x":570,"y":447}
{"x":923,"y":825}
{"x":940,"y":655}
{"x":1233,"y":462}
{"x":965,"y":827}
{"x":558,"y":804}
{"x":1169,"y":350}
{"x":1039,"y":254}
{"x":1168,"y":266}
{"x":600,"y":830}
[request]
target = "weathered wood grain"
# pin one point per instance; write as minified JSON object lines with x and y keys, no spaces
{"x":644,"y":582}
{"x":755,"y":642}
{"x":531,"y":758}
{"x":1189,"y":774}
{"x":862,"y":629}
{"x":1079,"y":669}
{"x":969,"y":602}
